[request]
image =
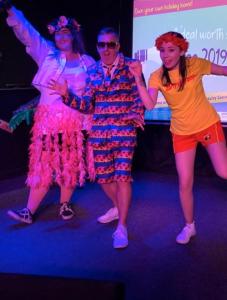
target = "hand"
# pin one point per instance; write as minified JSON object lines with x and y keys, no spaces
{"x":5,"y":5}
{"x":5,"y":126}
{"x":58,"y":88}
{"x":135,"y":119}
{"x":135,"y":68}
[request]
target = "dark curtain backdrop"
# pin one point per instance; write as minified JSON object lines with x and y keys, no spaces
{"x":154,"y":150}
{"x":17,"y":68}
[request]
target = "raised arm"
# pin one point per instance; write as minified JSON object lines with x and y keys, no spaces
{"x":36,"y":46}
{"x":149,"y":97}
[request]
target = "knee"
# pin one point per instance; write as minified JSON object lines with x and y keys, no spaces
{"x":124,"y":186}
{"x":222,"y":173}
{"x":123,"y":183}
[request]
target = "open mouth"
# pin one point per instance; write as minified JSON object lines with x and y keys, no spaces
{"x":167,"y":62}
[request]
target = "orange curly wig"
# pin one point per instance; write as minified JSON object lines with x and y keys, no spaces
{"x":174,"y":38}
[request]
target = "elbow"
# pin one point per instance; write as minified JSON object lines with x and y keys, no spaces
{"x":149,"y":107}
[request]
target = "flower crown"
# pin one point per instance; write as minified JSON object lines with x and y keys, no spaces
{"x":170,"y":37}
{"x":63,"y":22}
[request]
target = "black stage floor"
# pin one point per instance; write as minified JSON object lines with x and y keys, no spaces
{"x":152,"y":267}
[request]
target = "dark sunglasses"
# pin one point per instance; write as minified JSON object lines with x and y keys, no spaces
{"x":110,"y":45}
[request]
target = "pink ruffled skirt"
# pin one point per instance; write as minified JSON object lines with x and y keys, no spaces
{"x":58,"y":152}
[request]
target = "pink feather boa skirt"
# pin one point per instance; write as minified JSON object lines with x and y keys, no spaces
{"x":58,"y":152}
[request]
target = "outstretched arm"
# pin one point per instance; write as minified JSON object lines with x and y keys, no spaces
{"x":149,"y":97}
{"x":218,"y":70}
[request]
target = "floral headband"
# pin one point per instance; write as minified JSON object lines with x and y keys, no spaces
{"x":63,"y":22}
{"x":172,"y":38}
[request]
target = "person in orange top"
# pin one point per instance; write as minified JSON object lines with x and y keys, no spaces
{"x":193,"y":118}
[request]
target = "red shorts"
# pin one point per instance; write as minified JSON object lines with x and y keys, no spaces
{"x":211,"y":135}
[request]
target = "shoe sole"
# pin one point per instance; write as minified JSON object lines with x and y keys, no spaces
{"x":107,"y":221}
{"x":120,"y":246}
{"x":186,"y":242}
{"x":67,"y":218}
{"x":16,"y":217}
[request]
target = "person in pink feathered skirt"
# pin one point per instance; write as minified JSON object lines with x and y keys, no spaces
{"x":57,"y":152}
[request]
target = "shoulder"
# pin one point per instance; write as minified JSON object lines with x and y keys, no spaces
{"x":51,"y":45}
{"x":196,"y":61}
{"x":94,"y":71}
{"x":93,"y":67}
{"x":89,"y":61}
{"x":157,"y":73}
{"x":52,"y":51}
{"x":155,"y":79}
{"x":199,"y":66}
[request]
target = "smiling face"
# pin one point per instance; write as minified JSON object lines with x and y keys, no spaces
{"x":64,"y":39}
{"x":170,"y":55}
{"x":108,"y":47}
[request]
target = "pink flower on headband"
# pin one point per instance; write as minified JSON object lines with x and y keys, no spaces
{"x":62,"y":21}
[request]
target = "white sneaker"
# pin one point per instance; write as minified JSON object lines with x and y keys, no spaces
{"x":109,"y":216}
{"x":120,"y":237}
{"x":185,"y":235}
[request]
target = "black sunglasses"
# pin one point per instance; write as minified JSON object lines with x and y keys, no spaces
{"x":110,"y":45}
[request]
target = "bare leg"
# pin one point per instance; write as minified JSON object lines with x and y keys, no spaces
{"x":36,"y":195}
{"x":66,"y":194}
{"x":124,"y":193}
{"x":185,"y":168}
{"x":218,"y":156}
{"x":110,"y":190}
